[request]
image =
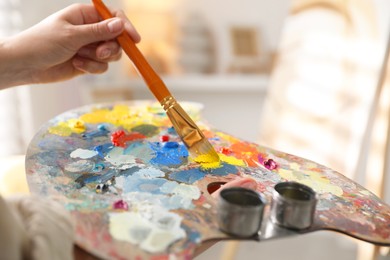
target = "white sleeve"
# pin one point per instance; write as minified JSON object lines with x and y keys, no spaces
{"x":13,"y":237}
{"x":45,"y":228}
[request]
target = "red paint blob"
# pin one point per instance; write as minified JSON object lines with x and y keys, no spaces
{"x":164,"y":138}
{"x":119,"y":138}
{"x":226,"y":151}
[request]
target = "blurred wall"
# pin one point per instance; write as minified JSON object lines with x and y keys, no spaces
{"x":47,"y":101}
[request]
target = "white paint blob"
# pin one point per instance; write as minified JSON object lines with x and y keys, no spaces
{"x":153,"y":231}
{"x":83,"y":153}
{"x":117,"y":158}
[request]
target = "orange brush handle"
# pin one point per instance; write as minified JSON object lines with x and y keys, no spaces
{"x":154,"y":82}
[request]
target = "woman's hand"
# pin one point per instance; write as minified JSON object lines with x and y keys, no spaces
{"x":68,"y":43}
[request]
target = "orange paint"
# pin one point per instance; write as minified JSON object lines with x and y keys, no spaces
{"x":246,"y":152}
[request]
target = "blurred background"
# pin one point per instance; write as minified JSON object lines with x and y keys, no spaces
{"x":302,"y":76}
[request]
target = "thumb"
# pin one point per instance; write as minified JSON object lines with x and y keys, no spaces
{"x":101,"y":31}
{"x":245,"y":182}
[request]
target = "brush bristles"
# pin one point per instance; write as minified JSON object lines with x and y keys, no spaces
{"x":197,"y":144}
{"x":204,"y":152}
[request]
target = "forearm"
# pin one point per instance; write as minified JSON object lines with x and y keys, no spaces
{"x":13,"y":68}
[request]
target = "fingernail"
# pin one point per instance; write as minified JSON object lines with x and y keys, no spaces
{"x":115,"y":25}
{"x":105,"y":54}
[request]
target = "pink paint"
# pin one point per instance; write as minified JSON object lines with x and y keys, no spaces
{"x":270,"y":164}
{"x":120,"y":204}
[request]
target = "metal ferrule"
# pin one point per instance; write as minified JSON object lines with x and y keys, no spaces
{"x":183,"y":124}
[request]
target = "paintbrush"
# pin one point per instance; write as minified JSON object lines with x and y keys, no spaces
{"x":197,"y":144}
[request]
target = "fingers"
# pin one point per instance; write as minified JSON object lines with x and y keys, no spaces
{"x":94,"y":58}
{"x":104,"y":52}
{"x":246,"y":182}
{"x":89,"y":66}
{"x":95,"y":39}
{"x":89,"y":15}
{"x":104,"y":30}
{"x":97,"y":32}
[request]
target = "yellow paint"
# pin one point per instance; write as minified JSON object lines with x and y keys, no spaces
{"x":320,"y":187}
{"x":286,"y":174}
{"x":67,"y":128}
{"x":316,"y":176}
{"x":227,"y":137}
{"x":295,"y":166}
{"x":96,"y":116}
{"x":207,"y":161}
{"x":122,"y":115}
{"x":76,"y":125}
{"x":119,"y":115}
{"x":316,"y":181}
{"x":231,"y":160}
{"x":61,"y":129}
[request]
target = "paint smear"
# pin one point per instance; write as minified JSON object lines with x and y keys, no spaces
{"x":122,"y":115}
{"x":188,"y":176}
{"x":312,"y":179}
{"x":232,"y":160}
{"x":79,"y":166}
{"x":67,"y":128}
{"x":117,"y":158}
{"x":153,"y":234}
{"x":207,"y":163}
{"x":147,"y":130}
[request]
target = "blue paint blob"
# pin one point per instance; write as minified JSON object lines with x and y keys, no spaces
{"x":225,"y":169}
{"x":98,"y":167}
{"x":103,"y":149}
{"x":101,"y":131}
{"x":129,"y":171}
{"x":192,"y":235}
{"x":102,"y":127}
{"x":188,"y":176}
{"x":169,"y":156}
{"x":95,"y":178}
{"x":169,"y":145}
{"x":172,"y":131}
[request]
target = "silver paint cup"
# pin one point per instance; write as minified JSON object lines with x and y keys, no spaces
{"x":240,"y":211}
{"x":293,"y":205}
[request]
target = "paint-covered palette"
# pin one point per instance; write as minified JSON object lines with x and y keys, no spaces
{"x":134,"y":192}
